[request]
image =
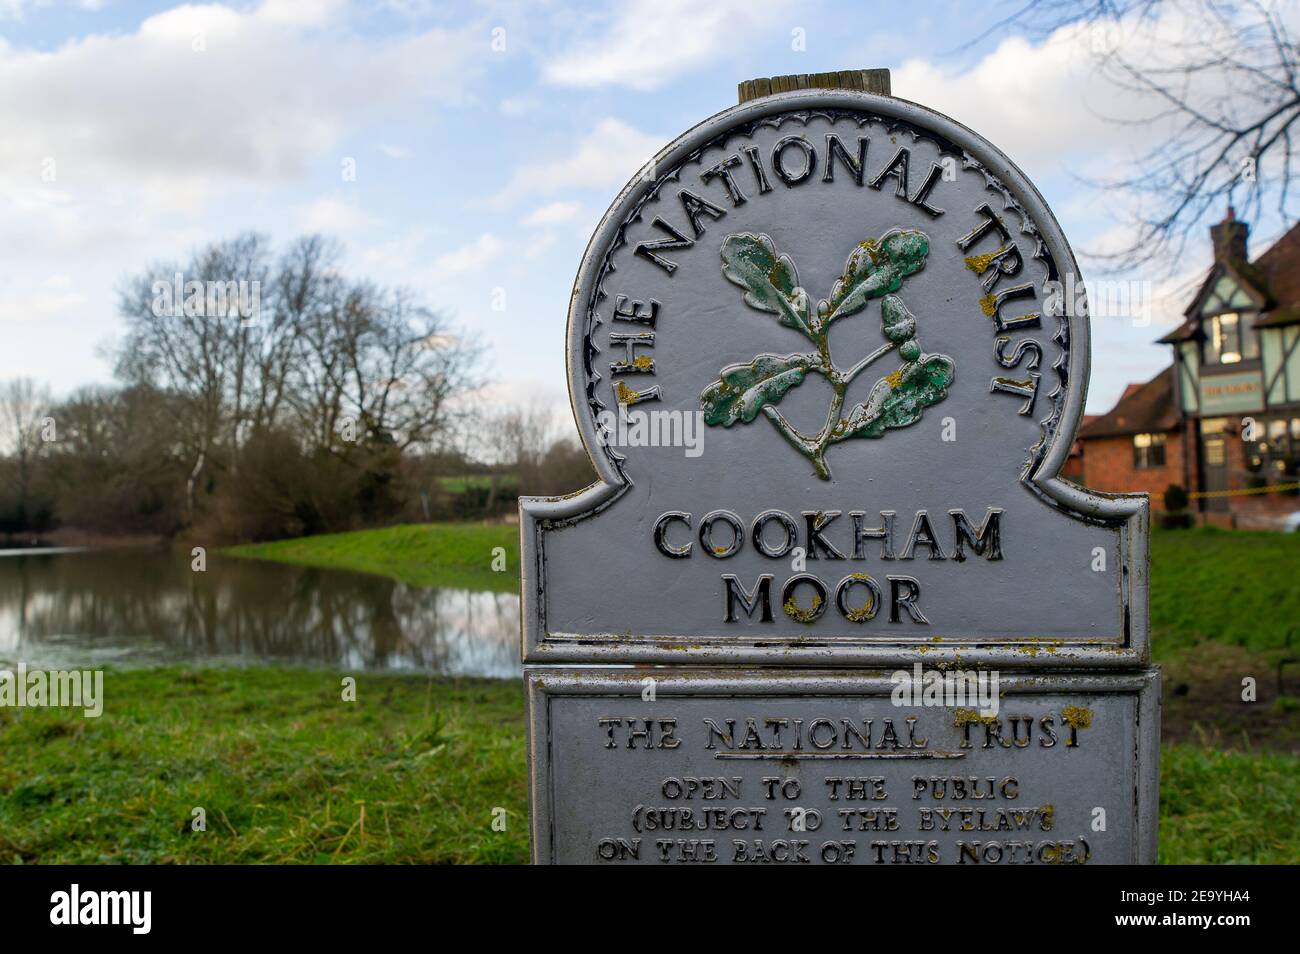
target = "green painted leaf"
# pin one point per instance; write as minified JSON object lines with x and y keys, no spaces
{"x":770,"y":281}
{"x":877,"y":268}
{"x":743,"y":389}
{"x":899,"y":399}
{"x":896,"y":321}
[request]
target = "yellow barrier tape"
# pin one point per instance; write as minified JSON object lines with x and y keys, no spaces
{"x":1274,"y":488}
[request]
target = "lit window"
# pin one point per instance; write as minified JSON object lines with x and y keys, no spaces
{"x":1277,"y":438}
{"x":1148,"y":450}
{"x":1278,"y":454}
{"x":1232,"y":339}
{"x":1227,"y":338}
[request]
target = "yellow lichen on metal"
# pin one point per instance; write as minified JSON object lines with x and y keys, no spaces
{"x":962,"y":717}
{"x":860,"y":614}
{"x":800,"y":615}
{"x":1076,"y":717}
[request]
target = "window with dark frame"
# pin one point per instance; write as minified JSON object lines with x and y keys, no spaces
{"x":1230,"y":338}
{"x":1148,"y":451}
{"x":1275,"y":454}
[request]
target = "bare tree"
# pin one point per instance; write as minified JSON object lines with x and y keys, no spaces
{"x":193,"y":342}
{"x":521,"y":436}
{"x":318,"y":352}
{"x":311,"y":298}
{"x":374,"y":362}
{"x":1222,"y":81}
{"x":403,"y":364}
{"x":25,"y":408}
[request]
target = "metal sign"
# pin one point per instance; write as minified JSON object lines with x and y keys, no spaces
{"x":797,"y":768}
{"x":828,"y":354}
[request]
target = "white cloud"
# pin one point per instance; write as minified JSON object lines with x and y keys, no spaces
{"x":329,"y":214}
{"x":607,"y":158}
{"x":1046,"y":108}
{"x":517,"y":105}
{"x":394,"y":152}
{"x":396,"y":257}
{"x":1053,"y":102}
{"x":648,"y":43}
{"x":56,"y":297}
{"x":469,"y":258}
{"x":301,"y":12}
{"x":553,"y":214}
{"x":538,"y":247}
{"x":204,"y":92}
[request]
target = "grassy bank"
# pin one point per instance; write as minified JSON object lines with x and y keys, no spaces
{"x":416,"y":769}
{"x":1228,"y":807}
{"x":428,"y":554}
{"x":1222,"y":586}
{"x":282,"y":767}
{"x":1228,"y":587}
{"x":413,"y":772}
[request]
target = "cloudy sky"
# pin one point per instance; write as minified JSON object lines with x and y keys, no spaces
{"x":487,"y":139}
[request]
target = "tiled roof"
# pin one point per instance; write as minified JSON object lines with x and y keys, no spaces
{"x":1188,"y":330}
{"x":1279,"y":268}
{"x":1144,"y":408}
{"x":1273,"y":279}
{"x":1277,"y":317}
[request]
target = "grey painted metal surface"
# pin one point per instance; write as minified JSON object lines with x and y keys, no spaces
{"x":848,"y":326}
{"x":947,"y":788}
{"x":828,"y":356}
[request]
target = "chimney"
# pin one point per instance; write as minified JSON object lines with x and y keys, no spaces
{"x":1229,"y":238}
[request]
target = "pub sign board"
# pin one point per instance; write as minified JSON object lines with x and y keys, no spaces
{"x":828,"y":354}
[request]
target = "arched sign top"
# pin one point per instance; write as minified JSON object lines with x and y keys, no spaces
{"x":828,"y":354}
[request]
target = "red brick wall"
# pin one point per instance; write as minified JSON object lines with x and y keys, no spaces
{"x":1108,"y":466}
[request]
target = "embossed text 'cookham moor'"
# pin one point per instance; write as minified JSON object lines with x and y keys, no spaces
{"x":830,"y":601}
{"x":857,"y":300}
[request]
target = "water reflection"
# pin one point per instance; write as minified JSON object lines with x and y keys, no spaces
{"x":126,"y":607}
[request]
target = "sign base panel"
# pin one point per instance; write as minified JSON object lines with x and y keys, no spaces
{"x":711,"y":766}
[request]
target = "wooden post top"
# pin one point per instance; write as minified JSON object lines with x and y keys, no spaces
{"x":870,"y":81}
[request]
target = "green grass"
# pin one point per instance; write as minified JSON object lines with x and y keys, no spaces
{"x":282,"y":765}
{"x":1232,"y":587}
{"x":279,"y":763}
{"x":458,"y":485}
{"x":1228,"y":807}
{"x":282,"y":768}
{"x":427,"y":554}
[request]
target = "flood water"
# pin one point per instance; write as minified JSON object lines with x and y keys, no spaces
{"x":79,"y":609}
